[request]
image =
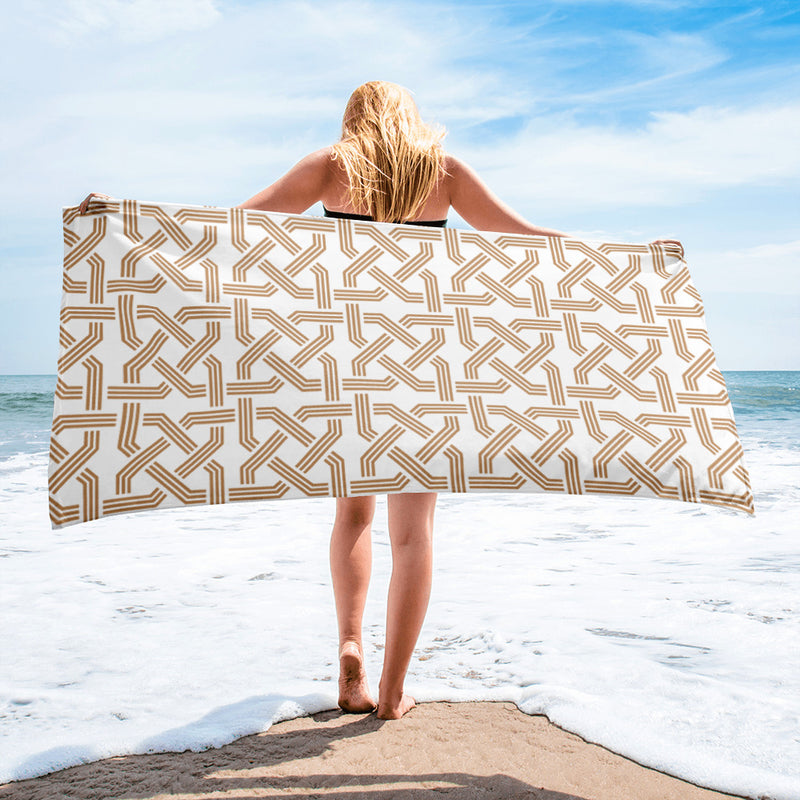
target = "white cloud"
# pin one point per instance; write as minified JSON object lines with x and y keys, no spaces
{"x":773,"y":267}
{"x":238,"y":102}
{"x":655,"y":60}
{"x":129,"y":20}
{"x":254,"y":86}
{"x":661,"y":4}
{"x":671,"y":53}
{"x":677,"y":158}
{"x":247,"y":96}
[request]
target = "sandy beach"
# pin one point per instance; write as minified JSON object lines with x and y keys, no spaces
{"x":461,"y":750}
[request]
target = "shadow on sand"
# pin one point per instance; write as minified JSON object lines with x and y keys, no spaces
{"x":260,"y":765}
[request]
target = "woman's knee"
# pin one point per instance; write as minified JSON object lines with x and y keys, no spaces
{"x":355,"y":512}
{"x":418,"y":538}
{"x":411,"y":519}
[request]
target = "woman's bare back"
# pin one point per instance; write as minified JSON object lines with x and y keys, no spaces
{"x":335,"y":194}
{"x":318,"y":177}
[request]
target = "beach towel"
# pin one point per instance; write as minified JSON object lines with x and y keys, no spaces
{"x":215,"y":355}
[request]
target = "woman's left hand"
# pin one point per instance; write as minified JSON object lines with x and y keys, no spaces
{"x":670,"y":241}
{"x":82,"y":208}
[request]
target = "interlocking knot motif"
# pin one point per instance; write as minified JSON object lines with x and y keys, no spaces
{"x":210,"y":355}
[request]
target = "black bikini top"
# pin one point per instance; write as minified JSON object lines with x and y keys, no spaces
{"x":435,"y":223}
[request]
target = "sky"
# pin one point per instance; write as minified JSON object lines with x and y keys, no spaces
{"x":619,"y":121}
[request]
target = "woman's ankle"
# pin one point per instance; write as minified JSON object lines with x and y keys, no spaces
{"x":390,"y":695}
{"x":350,"y":644}
{"x":395,"y":710}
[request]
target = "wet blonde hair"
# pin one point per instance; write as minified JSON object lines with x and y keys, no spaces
{"x":392,"y":158}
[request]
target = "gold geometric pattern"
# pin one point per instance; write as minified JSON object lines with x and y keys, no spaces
{"x":211,"y":355}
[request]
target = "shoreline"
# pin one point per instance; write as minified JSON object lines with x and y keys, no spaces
{"x":463,"y":750}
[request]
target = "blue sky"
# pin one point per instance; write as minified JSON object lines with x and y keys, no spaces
{"x":611,"y":120}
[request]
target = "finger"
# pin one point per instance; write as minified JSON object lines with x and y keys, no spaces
{"x":676,"y":242}
{"x":670,"y":243}
{"x":85,"y":204}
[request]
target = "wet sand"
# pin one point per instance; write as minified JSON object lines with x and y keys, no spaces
{"x":457,"y":750}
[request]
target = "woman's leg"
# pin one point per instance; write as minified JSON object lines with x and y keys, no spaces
{"x":351,"y":565}
{"x":411,"y":534}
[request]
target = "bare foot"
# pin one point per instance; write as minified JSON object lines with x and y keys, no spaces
{"x":396,"y":710}
{"x":354,"y":696}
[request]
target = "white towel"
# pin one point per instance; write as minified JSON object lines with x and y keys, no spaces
{"x":210,"y":355}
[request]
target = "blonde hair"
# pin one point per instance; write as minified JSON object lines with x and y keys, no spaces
{"x":392,"y":158}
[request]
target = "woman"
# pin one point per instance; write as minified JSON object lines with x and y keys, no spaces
{"x":390,"y":167}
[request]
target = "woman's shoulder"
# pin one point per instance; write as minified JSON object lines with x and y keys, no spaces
{"x":457,"y":174}
{"x":322,"y":157}
{"x":318,"y":167}
{"x":325,"y":160}
{"x":454,"y":165}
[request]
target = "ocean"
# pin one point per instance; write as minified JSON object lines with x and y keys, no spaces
{"x":667,"y":632}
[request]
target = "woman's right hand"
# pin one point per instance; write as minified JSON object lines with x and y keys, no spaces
{"x":85,"y":204}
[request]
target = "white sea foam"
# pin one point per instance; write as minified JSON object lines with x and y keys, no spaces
{"x":666,"y":632}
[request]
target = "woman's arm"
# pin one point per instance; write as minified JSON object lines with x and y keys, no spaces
{"x":302,"y":186}
{"x":483,"y":209}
